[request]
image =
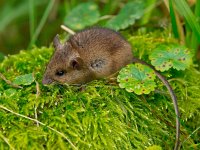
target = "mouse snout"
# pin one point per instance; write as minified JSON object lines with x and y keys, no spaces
{"x":46,"y":81}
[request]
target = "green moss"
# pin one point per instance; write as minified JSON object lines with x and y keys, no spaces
{"x":98,"y":115}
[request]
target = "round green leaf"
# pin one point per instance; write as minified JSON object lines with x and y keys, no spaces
{"x":137,"y":78}
{"x":26,"y":79}
{"x":165,"y":57}
{"x":85,"y":14}
{"x":127,"y":15}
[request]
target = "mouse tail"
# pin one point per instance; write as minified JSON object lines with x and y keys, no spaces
{"x":173,"y":97}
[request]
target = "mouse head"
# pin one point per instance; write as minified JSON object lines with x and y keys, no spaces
{"x":66,"y":65}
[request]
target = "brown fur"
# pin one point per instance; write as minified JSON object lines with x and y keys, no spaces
{"x":89,"y":54}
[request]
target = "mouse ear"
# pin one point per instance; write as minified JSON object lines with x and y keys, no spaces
{"x":74,"y":43}
{"x":56,"y":42}
{"x":76,"y":63}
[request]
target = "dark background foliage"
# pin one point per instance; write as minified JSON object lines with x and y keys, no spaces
{"x":19,"y":20}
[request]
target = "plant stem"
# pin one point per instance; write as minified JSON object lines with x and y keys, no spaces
{"x":70,"y":31}
{"x":31,"y":17}
{"x":42,"y":22}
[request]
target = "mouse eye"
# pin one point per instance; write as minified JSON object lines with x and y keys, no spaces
{"x":60,"y":73}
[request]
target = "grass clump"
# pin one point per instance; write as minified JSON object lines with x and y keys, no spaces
{"x":93,"y":116}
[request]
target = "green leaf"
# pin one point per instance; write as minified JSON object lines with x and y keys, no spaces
{"x":137,"y":78}
{"x":127,"y":15}
{"x":26,"y":79}
{"x":85,"y":14}
{"x":9,"y":92}
{"x":165,"y":57}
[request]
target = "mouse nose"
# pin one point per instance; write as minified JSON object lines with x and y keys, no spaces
{"x":46,"y":81}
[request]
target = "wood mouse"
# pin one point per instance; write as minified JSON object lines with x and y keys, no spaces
{"x":90,"y":54}
{"x":95,"y":53}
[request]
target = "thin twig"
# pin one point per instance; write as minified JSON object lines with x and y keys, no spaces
{"x":20,"y":115}
{"x":70,"y":31}
{"x":190,"y":135}
{"x":9,"y":82}
{"x":37,"y":95}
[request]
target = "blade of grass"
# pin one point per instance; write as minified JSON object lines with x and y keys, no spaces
{"x":173,"y":20}
{"x":176,"y":22}
{"x":197,"y":10}
{"x":11,"y":14}
{"x":8,"y":14}
{"x":188,"y":35}
{"x":42,"y":22}
{"x":184,"y":9}
{"x":194,"y":41}
{"x":31,"y":17}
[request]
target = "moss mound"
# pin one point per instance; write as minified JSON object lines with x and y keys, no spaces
{"x":98,"y":115}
